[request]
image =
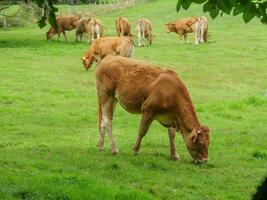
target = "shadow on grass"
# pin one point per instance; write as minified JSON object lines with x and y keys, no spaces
{"x":22,"y":43}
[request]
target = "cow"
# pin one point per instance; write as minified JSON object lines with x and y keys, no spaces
{"x":92,"y":27}
{"x":65,"y":23}
{"x":156,"y":94}
{"x":82,"y":27}
{"x":198,"y":25}
{"x":101,"y":47}
{"x":123,"y":26}
{"x":96,"y":29}
{"x":144,"y":30}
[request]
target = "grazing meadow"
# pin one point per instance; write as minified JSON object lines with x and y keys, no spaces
{"x":48,"y":115}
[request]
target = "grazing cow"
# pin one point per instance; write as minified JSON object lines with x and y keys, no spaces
{"x":101,"y":47}
{"x":123,"y":26}
{"x":66,"y":23}
{"x":144,"y":30}
{"x":155,"y":93}
{"x":198,"y":25}
{"x":82,"y":27}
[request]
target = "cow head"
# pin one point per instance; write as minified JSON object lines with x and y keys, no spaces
{"x":50,"y":33}
{"x":197,"y":143}
{"x":87,"y":62}
{"x":150,"y":38}
{"x":170,"y":27}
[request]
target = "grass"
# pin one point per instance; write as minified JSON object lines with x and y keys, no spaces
{"x":48,"y":131}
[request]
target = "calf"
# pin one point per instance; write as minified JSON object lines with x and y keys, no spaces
{"x":144,"y":30}
{"x":123,"y":26}
{"x":198,"y":25}
{"x":155,"y":93}
{"x":101,"y":47}
{"x":63,"y":23}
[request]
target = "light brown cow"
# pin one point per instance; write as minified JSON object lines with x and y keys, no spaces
{"x":198,"y":25}
{"x":66,"y":23}
{"x":155,"y":93}
{"x":101,"y":47}
{"x":92,"y":28}
{"x":123,"y":26}
{"x":96,"y":29}
{"x":144,"y":30}
{"x":82,"y":27}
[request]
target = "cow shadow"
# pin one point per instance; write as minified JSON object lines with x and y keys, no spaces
{"x":22,"y":43}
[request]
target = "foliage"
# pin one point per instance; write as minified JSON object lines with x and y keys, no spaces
{"x":248,"y":8}
{"x":48,"y":7}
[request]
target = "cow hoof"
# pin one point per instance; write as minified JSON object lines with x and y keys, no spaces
{"x":175,"y":157}
{"x":114,"y":151}
{"x":100,"y":148}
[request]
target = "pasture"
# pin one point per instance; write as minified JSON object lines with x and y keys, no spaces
{"x":48,"y":115}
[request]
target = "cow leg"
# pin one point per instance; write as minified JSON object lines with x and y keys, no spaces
{"x":92,"y":37}
{"x":202,"y":32}
{"x":197,"y":34}
{"x":185,"y":37}
{"x":181,"y":37}
{"x":143,"y":39}
{"x":139,"y":38}
{"x":64,"y":33}
{"x":173,"y":153}
{"x":77,"y":36}
{"x":143,"y":128}
{"x":108,"y":108}
{"x":101,"y":127}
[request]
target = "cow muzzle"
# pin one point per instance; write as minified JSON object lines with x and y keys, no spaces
{"x":198,"y":161}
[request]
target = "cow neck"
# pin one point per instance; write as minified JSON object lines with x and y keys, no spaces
{"x":188,"y":116}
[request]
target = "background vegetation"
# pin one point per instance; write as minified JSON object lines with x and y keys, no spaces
{"x":48,"y":131}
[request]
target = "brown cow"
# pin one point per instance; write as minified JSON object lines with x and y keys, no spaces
{"x":198,"y":25}
{"x":101,"y":47}
{"x":123,"y":26}
{"x":155,"y":93}
{"x":92,"y":28}
{"x":96,"y":29}
{"x":82,"y":27}
{"x":66,"y":23}
{"x":144,"y":30}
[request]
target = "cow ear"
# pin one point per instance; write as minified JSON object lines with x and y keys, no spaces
{"x":194,"y":138}
{"x":194,"y":135}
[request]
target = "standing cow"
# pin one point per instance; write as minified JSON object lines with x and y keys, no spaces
{"x":123,"y":26}
{"x":82,"y":27}
{"x":101,"y":47}
{"x":154,"y":93}
{"x":144,"y":30}
{"x":96,"y":29}
{"x":92,"y":27}
{"x":66,"y":23}
{"x":198,"y":25}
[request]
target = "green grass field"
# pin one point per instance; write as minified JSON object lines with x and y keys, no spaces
{"x":48,"y":115}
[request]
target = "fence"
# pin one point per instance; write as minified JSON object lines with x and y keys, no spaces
{"x":98,"y":7}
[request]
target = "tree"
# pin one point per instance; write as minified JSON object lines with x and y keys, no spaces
{"x":47,"y":5}
{"x":248,"y":8}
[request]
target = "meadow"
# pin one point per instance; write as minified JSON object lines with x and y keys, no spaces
{"x":48,"y":115}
